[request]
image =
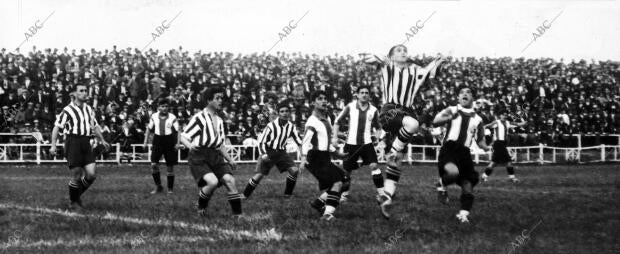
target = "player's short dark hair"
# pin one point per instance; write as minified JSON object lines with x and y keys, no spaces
{"x":363,"y":87}
{"x":75,"y":87}
{"x":394,"y":48}
{"x":461,"y":87}
{"x":283,"y":104}
{"x":317,"y":93}
{"x":163,"y":101}
{"x":210,"y":93}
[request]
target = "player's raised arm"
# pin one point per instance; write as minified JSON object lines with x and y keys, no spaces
{"x":490,"y":125}
{"x":340,"y":118}
{"x":372,"y":59}
{"x":515,"y":125}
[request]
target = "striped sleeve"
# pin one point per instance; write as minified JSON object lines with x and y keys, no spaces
{"x":192,"y":128}
{"x":306,"y":143}
{"x":296,"y":136}
{"x":263,"y":139}
{"x":175,"y":123}
{"x":61,"y":120}
{"x":343,"y":115}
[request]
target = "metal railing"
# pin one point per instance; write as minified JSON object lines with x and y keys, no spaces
{"x":541,"y":154}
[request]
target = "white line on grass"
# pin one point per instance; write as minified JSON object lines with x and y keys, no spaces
{"x":131,"y":242}
{"x":265,"y":235}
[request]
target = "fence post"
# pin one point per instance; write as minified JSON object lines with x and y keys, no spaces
{"x":118,"y":153}
{"x":38,"y":153}
{"x":603,"y":152}
{"x":541,"y":155}
{"x":409,"y":154}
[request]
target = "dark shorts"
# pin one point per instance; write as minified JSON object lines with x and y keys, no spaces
{"x":321,"y":167}
{"x":278,"y":158}
{"x":208,"y":160}
{"x":366,"y":152}
{"x":461,"y":157}
{"x":500,"y":153}
{"x":164,"y":145}
{"x":391,"y":117}
{"x":78,"y":151}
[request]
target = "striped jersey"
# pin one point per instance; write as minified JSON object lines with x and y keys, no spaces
{"x":361,"y":122}
{"x":274,"y":136}
{"x":501,"y":130}
{"x":205,"y":130}
{"x":464,"y":129}
{"x":400,"y":85}
{"x":318,"y":133}
{"x":163,"y":125}
{"x":77,"y":120}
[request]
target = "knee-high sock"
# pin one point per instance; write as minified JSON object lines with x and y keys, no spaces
{"x":235,"y":202}
{"x":392,"y":175}
{"x":346,"y":185}
{"x":250,"y":187}
{"x":377,"y":179}
{"x":467,"y":201}
{"x":170,"y":181}
{"x":75,"y":187}
{"x":401,"y":140}
{"x":86,"y":182}
{"x":291,"y":180}
{"x":511,"y":171}
{"x":333,"y":199}
{"x":156,"y":175}
{"x":203,"y":199}
{"x":488,"y":171}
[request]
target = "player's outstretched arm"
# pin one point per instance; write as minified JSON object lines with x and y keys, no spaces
{"x":490,"y":125}
{"x":372,"y":59}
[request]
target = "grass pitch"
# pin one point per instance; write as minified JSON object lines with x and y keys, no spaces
{"x":555,"y":209}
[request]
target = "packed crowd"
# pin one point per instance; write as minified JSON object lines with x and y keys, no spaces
{"x":556,"y":98}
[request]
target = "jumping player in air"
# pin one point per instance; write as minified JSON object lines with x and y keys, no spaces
{"x":401,"y":80}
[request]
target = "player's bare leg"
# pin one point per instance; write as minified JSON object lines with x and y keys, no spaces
{"x":207,"y":185}
{"x":451,"y":173}
{"x":234,"y":198}
{"x":467,"y":201}
{"x":255,"y":180}
{"x":89,"y":177}
{"x":394,"y":160}
{"x":170,"y":178}
{"x":156,"y":178}
{"x":488,"y":171}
